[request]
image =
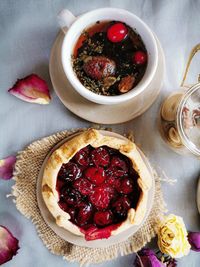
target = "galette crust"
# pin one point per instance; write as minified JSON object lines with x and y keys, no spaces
{"x":66,"y":151}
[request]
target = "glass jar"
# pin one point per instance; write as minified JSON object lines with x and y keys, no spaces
{"x":180,"y":117}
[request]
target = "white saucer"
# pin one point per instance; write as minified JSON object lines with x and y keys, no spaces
{"x":102,"y":114}
{"x":79,"y":240}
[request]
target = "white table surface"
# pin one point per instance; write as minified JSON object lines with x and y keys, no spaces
{"x":27,"y":31}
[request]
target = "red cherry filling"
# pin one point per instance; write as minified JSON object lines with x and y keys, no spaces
{"x":84,"y":213}
{"x":117,"y":32}
{"x":112,"y":181}
{"x":121,"y":206}
{"x":70,"y":196}
{"x":119,"y":164}
{"x":84,"y":186}
{"x":125,"y":186}
{"x":103,"y":218}
{"x":82,"y":157}
{"x":96,"y":188}
{"x":96,"y":175}
{"x":118,"y":167}
{"x":101,"y":196}
{"x":69,"y":172}
{"x":139,"y":58}
{"x":100,"y":157}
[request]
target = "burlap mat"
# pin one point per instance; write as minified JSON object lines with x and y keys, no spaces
{"x":27,"y":168}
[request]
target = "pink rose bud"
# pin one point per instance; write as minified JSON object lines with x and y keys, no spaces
{"x":8,"y":245}
{"x":194,"y":240}
{"x":147,"y":258}
{"x":6,"y":167}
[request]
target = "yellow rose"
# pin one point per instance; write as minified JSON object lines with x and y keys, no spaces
{"x":172,"y":237}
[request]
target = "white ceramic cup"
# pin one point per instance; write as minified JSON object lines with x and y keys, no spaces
{"x":73,"y":26}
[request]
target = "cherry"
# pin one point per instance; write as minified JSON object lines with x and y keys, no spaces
{"x":112,"y":181}
{"x":103,"y":218}
{"x":82,"y":157}
{"x":96,"y":175}
{"x":69,"y":172}
{"x":100,"y":157}
{"x":121,"y":206}
{"x":101,"y":196}
{"x":84,"y":186}
{"x":84,"y":213}
{"x":116,"y":173}
{"x":71,"y":196}
{"x":139,"y":58}
{"x":118,"y":167}
{"x":119,"y":163}
{"x":125,"y":186}
{"x":117,"y":32}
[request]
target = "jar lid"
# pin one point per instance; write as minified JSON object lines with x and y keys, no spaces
{"x":188,"y":119}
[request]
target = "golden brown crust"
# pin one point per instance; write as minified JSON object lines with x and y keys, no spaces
{"x":66,"y":151}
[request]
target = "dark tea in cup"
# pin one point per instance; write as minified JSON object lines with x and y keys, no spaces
{"x":109,"y":58}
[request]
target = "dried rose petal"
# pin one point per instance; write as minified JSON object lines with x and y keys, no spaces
{"x":31,"y":89}
{"x":6,"y":167}
{"x":8,"y":245}
{"x":146,"y":257}
{"x":194,"y":240}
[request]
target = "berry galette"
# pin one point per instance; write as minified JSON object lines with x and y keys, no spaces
{"x":96,"y":185}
